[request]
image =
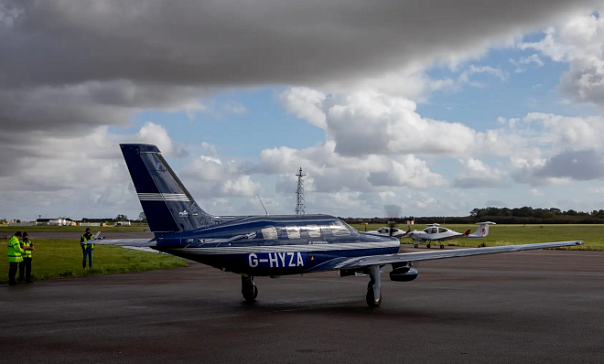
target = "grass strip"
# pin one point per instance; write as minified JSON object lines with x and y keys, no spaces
{"x":62,"y":258}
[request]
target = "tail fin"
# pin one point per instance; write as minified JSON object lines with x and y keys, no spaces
{"x":168,"y":206}
{"x":482,"y":231}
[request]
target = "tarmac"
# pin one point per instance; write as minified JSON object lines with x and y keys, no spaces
{"x":526,"y":307}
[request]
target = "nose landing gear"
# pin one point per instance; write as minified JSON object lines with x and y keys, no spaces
{"x":248,"y":288}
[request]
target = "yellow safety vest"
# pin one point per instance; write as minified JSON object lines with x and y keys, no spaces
{"x":26,"y":253}
{"x":14,"y":250}
{"x":84,"y":245}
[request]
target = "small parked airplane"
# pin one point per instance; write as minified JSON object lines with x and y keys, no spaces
{"x":267,"y":245}
{"x":391,"y":231}
{"x":433,"y":232}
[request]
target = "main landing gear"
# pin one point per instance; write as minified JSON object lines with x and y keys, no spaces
{"x":248,"y":288}
{"x":429,"y":245}
{"x":374,"y":296}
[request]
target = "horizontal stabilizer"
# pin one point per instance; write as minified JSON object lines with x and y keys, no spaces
{"x":140,"y":243}
{"x":141,"y":249}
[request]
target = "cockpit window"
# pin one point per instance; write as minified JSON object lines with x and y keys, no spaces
{"x":325,"y":230}
{"x":339,"y":229}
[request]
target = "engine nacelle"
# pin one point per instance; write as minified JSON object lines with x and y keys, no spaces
{"x":403,"y":273}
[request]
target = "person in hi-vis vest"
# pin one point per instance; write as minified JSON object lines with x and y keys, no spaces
{"x":14,"y":256}
{"x":87,"y":248}
{"x":25,"y":266}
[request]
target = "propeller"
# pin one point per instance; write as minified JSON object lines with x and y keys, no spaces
{"x":393,"y":212}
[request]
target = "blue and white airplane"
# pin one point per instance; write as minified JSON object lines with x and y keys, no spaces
{"x":253,"y":246}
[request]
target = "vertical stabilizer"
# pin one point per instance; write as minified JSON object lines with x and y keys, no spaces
{"x":483,"y":229}
{"x":168,"y":206}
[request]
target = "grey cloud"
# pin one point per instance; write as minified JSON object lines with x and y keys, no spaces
{"x":578,"y":165}
{"x":495,"y":203}
{"x":584,"y":83}
{"x":479,"y":182}
{"x":582,"y":165}
{"x":248,"y":43}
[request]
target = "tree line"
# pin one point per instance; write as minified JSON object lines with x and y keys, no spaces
{"x":502,"y":215}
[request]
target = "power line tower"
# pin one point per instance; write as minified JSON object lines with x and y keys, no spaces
{"x":300,"y":193}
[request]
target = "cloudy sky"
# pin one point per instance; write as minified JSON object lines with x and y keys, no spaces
{"x":435,"y":106}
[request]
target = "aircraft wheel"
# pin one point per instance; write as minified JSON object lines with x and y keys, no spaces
{"x":248,"y":288}
{"x":370,"y":299}
{"x":415,"y":246}
{"x":428,"y":246}
{"x":250,"y":294}
{"x":442,"y":246}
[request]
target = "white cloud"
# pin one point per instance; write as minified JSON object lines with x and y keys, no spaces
{"x":332,"y":172}
{"x":76,"y":176}
{"x":306,"y":103}
{"x":578,"y":42}
{"x":476,"y":174}
{"x":156,"y":134}
{"x":369,"y":122}
{"x":522,"y":63}
{"x":464,"y":77}
{"x":209,"y":177}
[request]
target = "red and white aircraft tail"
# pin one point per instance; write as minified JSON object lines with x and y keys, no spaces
{"x":481,"y":232}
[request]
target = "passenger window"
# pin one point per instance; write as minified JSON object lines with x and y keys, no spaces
{"x":313,"y":231}
{"x":293,"y":232}
{"x":441,"y":230}
{"x":269,"y":233}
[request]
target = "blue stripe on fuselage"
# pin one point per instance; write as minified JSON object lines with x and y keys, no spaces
{"x":282,"y":262}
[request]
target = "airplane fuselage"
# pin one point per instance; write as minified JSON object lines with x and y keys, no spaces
{"x":275,"y":245}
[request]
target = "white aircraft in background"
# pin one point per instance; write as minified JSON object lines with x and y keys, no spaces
{"x":433,"y":232}
{"x":391,"y":231}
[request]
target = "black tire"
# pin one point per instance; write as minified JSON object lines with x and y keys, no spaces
{"x":428,"y":246}
{"x":251,"y":294}
{"x":415,"y":246}
{"x":369,"y":298}
{"x":442,"y":246}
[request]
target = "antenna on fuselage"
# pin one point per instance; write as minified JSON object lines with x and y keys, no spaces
{"x":259,"y":199}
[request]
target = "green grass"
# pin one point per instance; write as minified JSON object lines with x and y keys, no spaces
{"x":593,"y":235}
{"x":57,"y":258}
{"x":54,"y":258}
{"x":13,"y":229}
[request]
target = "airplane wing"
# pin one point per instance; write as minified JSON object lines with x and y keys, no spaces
{"x":372,"y":260}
